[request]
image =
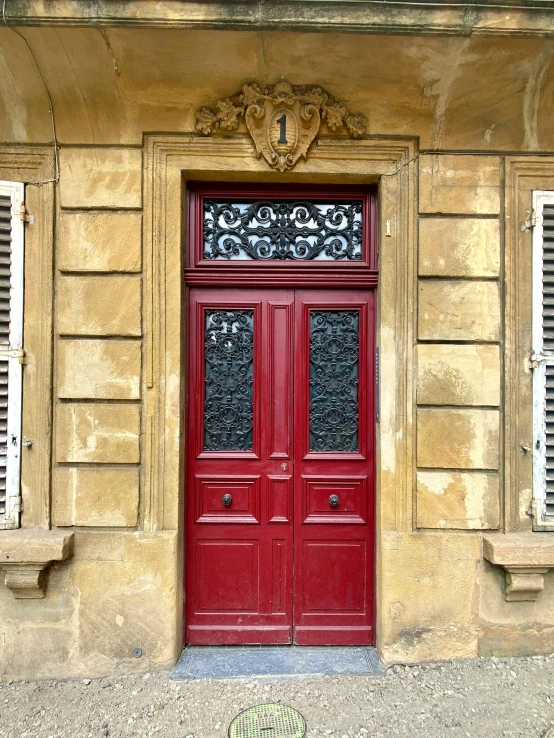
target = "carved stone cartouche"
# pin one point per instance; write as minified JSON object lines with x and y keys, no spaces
{"x":283,"y":119}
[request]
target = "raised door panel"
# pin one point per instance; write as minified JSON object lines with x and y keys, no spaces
{"x":280,"y":379}
{"x":227,"y":576}
{"x":333,"y":577}
{"x":279,"y":499}
{"x":228,"y":499}
{"x":279,"y":592}
{"x":334,"y":500}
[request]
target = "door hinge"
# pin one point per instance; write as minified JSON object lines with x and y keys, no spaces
{"x":25,"y":216}
{"x":13,"y":354}
{"x":531,"y":221}
{"x":18,"y":505}
{"x":535,"y":359}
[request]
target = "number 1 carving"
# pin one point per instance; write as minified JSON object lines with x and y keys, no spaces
{"x":283,"y":126}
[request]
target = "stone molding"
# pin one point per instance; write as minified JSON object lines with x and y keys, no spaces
{"x":533,"y":20}
{"x":25,"y":554}
{"x":523,"y":175}
{"x":170,"y":161}
{"x":31,"y":165}
{"x":525,"y":558}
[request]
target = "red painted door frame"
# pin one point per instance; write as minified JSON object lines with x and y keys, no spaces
{"x":280,"y":480}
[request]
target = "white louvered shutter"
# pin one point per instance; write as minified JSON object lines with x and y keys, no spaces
{"x":11,"y":350}
{"x":543,"y":360}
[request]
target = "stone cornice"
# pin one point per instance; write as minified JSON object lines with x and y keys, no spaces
{"x":492,"y":18}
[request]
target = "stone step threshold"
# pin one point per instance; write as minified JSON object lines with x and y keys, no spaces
{"x":252,"y":662}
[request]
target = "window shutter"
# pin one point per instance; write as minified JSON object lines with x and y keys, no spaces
{"x":11,"y":350}
{"x":542,"y":360}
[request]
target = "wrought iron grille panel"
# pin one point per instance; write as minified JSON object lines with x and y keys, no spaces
{"x":334,"y":357}
{"x":229,"y":379}
{"x":299,"y":230}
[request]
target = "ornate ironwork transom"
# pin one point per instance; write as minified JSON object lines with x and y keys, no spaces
{"x":283,"y":229}
{"x":229,"y":378}
{"x":334,"y":356}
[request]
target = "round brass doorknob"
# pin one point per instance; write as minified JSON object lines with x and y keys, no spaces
{"x":334,"y":500}
{"x":226,"y":500}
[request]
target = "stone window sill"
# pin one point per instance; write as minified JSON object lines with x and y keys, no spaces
{"x":25,"y":554}
{"x":525,"y":557}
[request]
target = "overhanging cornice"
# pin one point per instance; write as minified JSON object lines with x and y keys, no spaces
{"x":487,"y":18}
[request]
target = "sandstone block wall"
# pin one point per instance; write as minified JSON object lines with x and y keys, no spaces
{"x":116,"y":593}
{"x":459,"y":332}
{"x":120,"y":590}
{"x":98,"y":319}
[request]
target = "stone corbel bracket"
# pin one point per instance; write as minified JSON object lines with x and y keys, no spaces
{"x":25,"y":555}
{"x":525,"y":557}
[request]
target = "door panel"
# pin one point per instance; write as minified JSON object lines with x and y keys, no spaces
{"x":279,"y":407}
{"x":245,"y":506}
{"x":334,"y":468}
{"x":279,"y":499}
{"x":239,"y":420}
{"x":352,"y":494}
{"x":216,"y":590}
{"x":334,"y":576}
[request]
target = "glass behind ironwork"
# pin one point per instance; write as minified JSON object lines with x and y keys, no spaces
{"x":229,"y":378}
{"x":334,"y":356}
{"x":283,"y":229}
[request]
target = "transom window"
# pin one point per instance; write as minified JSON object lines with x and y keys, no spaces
{"x":270,"y":229}
{"x":283,"y":229}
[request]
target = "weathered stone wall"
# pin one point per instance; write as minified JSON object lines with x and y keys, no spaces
{"x":118,"y":592}
{"x":459,"y":343}
{"x":111,"y":85}
{"x":433,"y":599}
{"x":437,"y":598}
{"x":98,"y":321}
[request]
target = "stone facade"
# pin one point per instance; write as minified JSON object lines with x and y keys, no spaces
{"x":104,"y":323}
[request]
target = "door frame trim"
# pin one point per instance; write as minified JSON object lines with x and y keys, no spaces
{"x":296,"y":274}
{"x":171,"y":160}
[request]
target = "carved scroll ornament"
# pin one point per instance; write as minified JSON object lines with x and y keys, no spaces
{"x":283,"y":119}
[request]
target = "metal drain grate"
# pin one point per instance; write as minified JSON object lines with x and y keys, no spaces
{"x":268,"y":721}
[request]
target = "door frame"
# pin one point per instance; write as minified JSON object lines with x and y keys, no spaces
{"x":171,"y":160}
{"x":322,"y":276}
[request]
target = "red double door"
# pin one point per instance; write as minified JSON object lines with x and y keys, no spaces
{"x":280,"y":477}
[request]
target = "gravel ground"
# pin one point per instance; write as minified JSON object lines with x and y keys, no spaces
{"x":485,"y":698}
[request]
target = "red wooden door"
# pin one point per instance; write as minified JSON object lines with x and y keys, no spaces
{"x":334,"y":467}
{"x":280,"y":429}
{"x":240,"y":441}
